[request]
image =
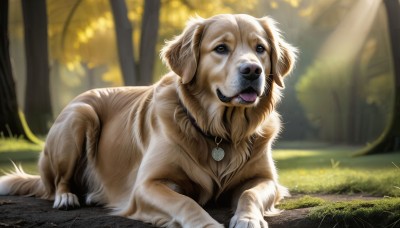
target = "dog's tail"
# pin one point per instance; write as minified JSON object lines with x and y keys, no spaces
{"x":20,"y":183}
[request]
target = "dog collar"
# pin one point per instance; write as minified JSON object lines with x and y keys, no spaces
{"x":194,"y":123}
{"x":217,"y":152}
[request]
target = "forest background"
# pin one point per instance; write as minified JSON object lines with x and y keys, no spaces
{"x":341,"y":91}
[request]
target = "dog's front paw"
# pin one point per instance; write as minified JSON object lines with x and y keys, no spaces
{"x":66,"y":201}
{"x":248,"y":221}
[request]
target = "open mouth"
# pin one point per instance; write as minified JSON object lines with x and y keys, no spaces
{"x":247,"y":96}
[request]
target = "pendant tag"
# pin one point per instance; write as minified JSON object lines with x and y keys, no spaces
{"x":218,"y":153}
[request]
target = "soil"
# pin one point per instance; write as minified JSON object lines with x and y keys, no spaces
{"x":17,"y":211}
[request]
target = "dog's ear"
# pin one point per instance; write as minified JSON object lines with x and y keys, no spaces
{"x":283,"y":55}
{"x":182,"y":53}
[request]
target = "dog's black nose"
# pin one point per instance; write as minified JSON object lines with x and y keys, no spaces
{"x":250,"y":71}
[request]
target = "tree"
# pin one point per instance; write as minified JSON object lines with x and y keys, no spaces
{"x":141,"y":72}
{"x":37,"y":98}
{"x":12,"y":122}
{"x":148,"y":40}
{"x":123,"y":30}
{"x":390,"y":139}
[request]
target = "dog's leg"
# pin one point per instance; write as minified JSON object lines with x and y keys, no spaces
{"x":62,"y":161}
{"x":256,"y":199}
{"x":64,"y":198}
{"x":73,"y":136}
{"x":157,"y":203}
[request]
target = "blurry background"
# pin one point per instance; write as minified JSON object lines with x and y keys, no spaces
{"x":341,"y":91}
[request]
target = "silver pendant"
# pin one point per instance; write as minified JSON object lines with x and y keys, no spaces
{"x":218,"y":153}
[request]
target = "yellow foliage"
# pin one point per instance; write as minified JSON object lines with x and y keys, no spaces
{"x":135,"y":10}
{"x":71,"y":76}
{"x":113,"y":76}
{"x":89,"y":38}
{"x":175,"y":13}
{"x":293,"y":3}
{"x":274,"y":4}
{"x":87,"y":30}
{"x":307,"y":12}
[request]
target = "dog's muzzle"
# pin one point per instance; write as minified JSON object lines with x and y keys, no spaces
{"x":250,"y":86}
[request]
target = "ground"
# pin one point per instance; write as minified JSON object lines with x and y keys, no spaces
{"x":18,"y":211}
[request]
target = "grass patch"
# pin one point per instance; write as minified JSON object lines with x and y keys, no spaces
{"x":343,"y":181}
{"x":21,"y":152}
{"x":357,"y":213}
{"x":18,"y":145}
{"x":303,"y":202}
{"x":336,"y":171}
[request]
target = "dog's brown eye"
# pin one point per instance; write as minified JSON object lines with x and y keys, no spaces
{"x":260,"y":49}
{"x":221,"y":49}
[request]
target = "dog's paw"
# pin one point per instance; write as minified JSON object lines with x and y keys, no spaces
{"x":66,"y":201}
{"x":248,"y":221}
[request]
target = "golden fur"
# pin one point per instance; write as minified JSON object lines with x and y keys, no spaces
{"x":146,"y":151}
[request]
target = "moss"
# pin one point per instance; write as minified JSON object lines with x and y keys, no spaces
{"x":357,"y":213}
{"x":303,"y":202}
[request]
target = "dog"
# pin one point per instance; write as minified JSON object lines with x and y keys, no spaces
{"x":159,"y":153}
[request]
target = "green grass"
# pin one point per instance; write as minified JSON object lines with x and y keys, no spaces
{"x":21,"y":152}
{"x":357,"y":213}
{"x":17,"y":145}
{"x":303,"y":202}
{"x":335,"y":170}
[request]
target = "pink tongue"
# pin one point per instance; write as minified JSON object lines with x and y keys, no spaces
{"x":248,"y":97}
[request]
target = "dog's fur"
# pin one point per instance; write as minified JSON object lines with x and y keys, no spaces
{"x":146,"y":151}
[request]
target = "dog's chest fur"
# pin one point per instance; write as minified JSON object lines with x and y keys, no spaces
{"x":204,"y":175}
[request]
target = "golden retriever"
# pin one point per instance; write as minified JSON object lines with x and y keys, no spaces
{"x":158,"y":153}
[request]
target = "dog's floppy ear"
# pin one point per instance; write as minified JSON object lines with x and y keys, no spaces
{"x":283,"y":55}
{"x":182,"y":53}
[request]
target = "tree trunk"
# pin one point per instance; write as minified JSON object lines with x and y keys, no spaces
{"x":10,"y":124}
{"x":37,"y":98}
{"x":10,"y":118}
{"x":390,"y":139}
{"x":148,"y":40}
{"x":123,"y":30}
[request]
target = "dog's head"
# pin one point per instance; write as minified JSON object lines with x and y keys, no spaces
{"x":234,"y":57}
